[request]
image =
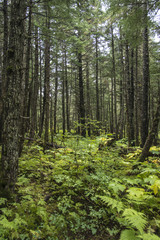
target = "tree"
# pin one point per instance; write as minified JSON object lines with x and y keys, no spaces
{"x":152,"y":132}
{"x":3,"y":80}
{"x":145,"y":82}
{"x":12,"y":100}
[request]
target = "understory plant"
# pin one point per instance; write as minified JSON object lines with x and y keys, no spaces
{"x":80,"y":192}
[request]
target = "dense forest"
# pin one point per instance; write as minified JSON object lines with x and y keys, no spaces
{"x":79,"y":119}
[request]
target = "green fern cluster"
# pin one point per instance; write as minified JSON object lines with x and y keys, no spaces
{"x":81,"y":191}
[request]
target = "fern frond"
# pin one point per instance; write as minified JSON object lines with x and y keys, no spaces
{"x":136,"y":219}
{"x":148,"y":236}
{"x":128,"y":235}
{"x":113,"y":203}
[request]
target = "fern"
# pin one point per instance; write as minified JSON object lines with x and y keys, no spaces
{"x":136,"y":219}
{"x":128,"y":235}
{"x":149,"y":236}
{"x":3,"y":201}
{"x":113,"y":203}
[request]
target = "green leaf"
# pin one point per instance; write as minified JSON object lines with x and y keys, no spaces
{"x":117,"y":187}
{"x":113,"y":203}
{"x":128,"y":235}
{"x":149,"y":236}
{"x":156,"y":187}
{"x":135,"y":219}
{"x":2,"y":200}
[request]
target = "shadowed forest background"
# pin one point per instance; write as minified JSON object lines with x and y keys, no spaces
{"x":79,"y":119}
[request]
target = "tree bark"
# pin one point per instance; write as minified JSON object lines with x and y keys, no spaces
{"x":136,"y":101}
{"x":130,"y":97}
{"x":56,"y":95}
{"x":152,"y":133}
{"x":67,"y":94}
{"x":63,"y":97}
{"x":33,"y":126}
{"x":3,"y":80}
{"x":97,"y":83}
{"x":114,"y":84}
{"x":81,"y":97}
{"x":88,"y":98}
{"x":47,"y":81}
{"x":25,"y":100}
{"x":121,"y":117}
{"x":145,"y":81}
{"x":12,"y":101}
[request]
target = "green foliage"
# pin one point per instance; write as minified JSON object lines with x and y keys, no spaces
{"x":81,"y":191}
{"x":113,"y":203}
{"x":150,"y":236}
{"x":136,"y":219}
{"x":128,"y":235}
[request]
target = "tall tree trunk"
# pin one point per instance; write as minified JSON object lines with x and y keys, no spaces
{"x":88,"y":98}
{"x":111,"y":106}
{"x":136,"y":100}
{"x":67,"y":95}
{"x":63,"y":98}
{"x":25,"y":106}
{"x":5,"y":47}
{"x":114,"y":83}
{"x":145,"y":81}
{"x":130,"y":97}
{"x":55,"y":95}
{"x":97,"y":83}
{"x":14,"y":75}
{"x":152,"y":133}
{"x":47,"y":81}
{"x":33,"y":127}
{"x":121,"y":118}
{"x":81,"y":96}
{"x":51,"y":118}
{"x":41,"y":105}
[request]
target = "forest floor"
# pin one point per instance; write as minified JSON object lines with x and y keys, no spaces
{"x":84,"y":190}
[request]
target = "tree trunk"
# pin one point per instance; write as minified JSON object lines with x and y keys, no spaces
{"x":145,"y":81}
{"x":121,"y":117}
{"x":67,"y":95}
{"x":152,"y":133}
{"x":63,"y":98}
{"x":81,"y":97}
{"x":33,"y":127}
{"x":51,"y":118}
{"x":47,"y":82}
{"x":88,"y":98}
{"x":97,"y":83}
{"x":14,"y":75}
{"x":114,"y":84}
{"x":130,"y":98}
{"x":25,"y":100}
{"x":3,"y":81}
{"x":55,"y":95}
{"x":136,"y":101}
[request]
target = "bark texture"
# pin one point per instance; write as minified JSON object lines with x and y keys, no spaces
{"x":152,"y":133}
{"x":12,"y":100}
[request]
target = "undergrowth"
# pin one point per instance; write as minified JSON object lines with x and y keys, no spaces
{"x":80,"y":192}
